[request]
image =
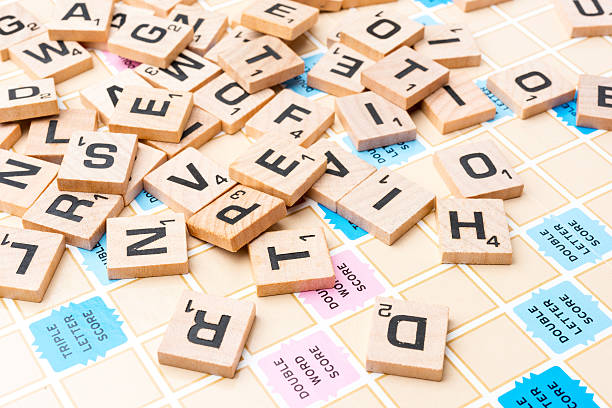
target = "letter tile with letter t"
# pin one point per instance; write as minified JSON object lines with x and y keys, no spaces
{"x":594,"y":105}
{"x":27,"y":100}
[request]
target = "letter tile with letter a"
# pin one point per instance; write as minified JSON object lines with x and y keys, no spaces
{"x":284,"y":19}
{"x":236,"y":218}
{"x":594,"y":106}
{"x":81,"y":20}
{"x":531,"y":88}
{"x":471,"y":5}
{"x":291,"y":261}
{"x":147,"y":245}
{"x":208,"y":26}
{"x":16,"y":25}
{"x":585,"y":18}
{"x":29,"y":259}
{"x":407,"y":339}
{"x":207,"y":333}
{"x":452,"y":46}
{"x":27,"y":100}
{"x":473,"y":231}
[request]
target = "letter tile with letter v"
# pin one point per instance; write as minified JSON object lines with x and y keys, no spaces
{"x":207,"y":334}
{"x":27,"y":100}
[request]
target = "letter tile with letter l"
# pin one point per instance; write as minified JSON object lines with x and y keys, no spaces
{"x":27,"y":100}
{"x":207,"y":333}
{"x":17,"y":25}
{"x":81,"y":20}
{"x":594,"y":105}
{"x":585,"y":18}
{"x":284,"y":19}
{"x":407,"y":339}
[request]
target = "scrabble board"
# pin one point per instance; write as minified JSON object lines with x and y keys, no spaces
{"x":536,"y":333}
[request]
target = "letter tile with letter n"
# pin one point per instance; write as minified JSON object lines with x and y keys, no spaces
{"x":471,"y":5}
{"x":22,"y":181}
{"x":473,"y":231}
{"x":80,"y":217}
{"x":531,"y":88}
{"x":478,"y":170}
{"x":98,"y":162}
{"x":188,"y":182}
{"x":261,"y":63}
{"x":585,"y":18}
{"x":151,"y":113}
{"x":207,"y":333}
{"x":27,"y":100}
{"x":81,"y":20}
{"x":371,"y":121}
{"x":407,"y":339}
{"x":452,"y":46}
{"x":278,"y":168}
{"x":405,"y":77}
{"x":284,"y":19}
{"x":29,"y":259}
{"x":17,"y":25}
{"x":291,"y":261}
{"x":147,"y":245}
{"x":208,"y":26}
{"x":386,"y":205}
{"x":594,"y":106}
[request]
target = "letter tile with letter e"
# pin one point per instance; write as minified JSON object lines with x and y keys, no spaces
{"x":27,"y":100}
{"x":471,"y":5}
{"x":207,"y":333}
{"x":291,"y":261}
{"x":81,"y":20}
{"x":452,"y":46}
{"x":208,"y":26}
{"x":594,"y":105}
{"x":473,"y":231}
{"x":29,"y":259}
{"x":18,"y":25}
{"x":585,"y":18}
{"x":284,"y":19}
{"x":407,"y":339}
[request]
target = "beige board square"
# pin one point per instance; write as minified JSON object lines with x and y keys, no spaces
{"x":386,"y":205}
{"x":188,"y":182}
{"x":531,"y":88}
{"x":585,"y":18}
{"x":19,"y":25}
{"x":363,"y":396}
{"x":338,"y":72}
{"x":344,"y":172}
{"x":371,"y":121}
{"x":229,"y":102}
{"x":152,"y":114}
{"x":81,"y":20}
{"x":208,"y":26}
{"x":98,"y":162}
{"x":450,"y":45}
{"x":596,"y":279}
{"x":593,"y":108}
{"x":587,"y":364}
{"x":22,"y":181}
{"x":207,"y":333}
{"x":285,"y":19}
{"x":27,"y":100}
{"x":471,"y":5}
{"x":236,"y":218}
{"x":147,"y":159}
{"x":15,"y":352}
{"x":407,"y":339}
{"x":281,"y":169}
{"x":44,"y":397}
{"x":29,"y":259}
{"x":9,"y":135}
{"x":601,"y":207}
{"x":235,"y":38}
{"x":80,"y":217}
{"x":473,"y":231}
{"x":478,"y":170}
{"x":405,"y":77}
{"x":150,"y":40}
{"x":48,"y":137}
{"x":291,"y":261}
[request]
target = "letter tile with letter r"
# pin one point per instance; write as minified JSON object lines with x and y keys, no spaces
{"x":27,"y":100}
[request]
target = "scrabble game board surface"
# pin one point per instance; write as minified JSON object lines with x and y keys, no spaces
{"x":536,"y":333}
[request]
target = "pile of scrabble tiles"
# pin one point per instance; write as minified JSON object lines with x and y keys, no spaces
{"x":196,"y":80}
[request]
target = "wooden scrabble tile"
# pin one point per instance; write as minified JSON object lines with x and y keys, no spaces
{"x":29,"y":259}
{"x":27,"y":100}
{"x":531,"y":88}
{"x":338,"y":72}
{"x":48,"y":137}
{"x":371,"y":121}
{"x":22,"y":181}
{"x":207,"y":333}
{"x":378,"y":33}
{"x":407,"y":339}
{"x":98,"y":162}
{"x":261,"y":63}
{"x":473,"y":231}
{"x":161,"y":8}
{"x":80,"y":217}
{"x":386,"y":205}
{"x":41,"y":58}
{"x":478,"y":170}
{"x":81,"y":20}
{"x":9,"y":134}
{"x":103,"y":96}
{"x":323,"y":5}
{"x":360,"y":3}
{"x":188,"y":182}
{"x":208,"y":26}
{"x":471,"y":5}
{"x":291,"y":261}
{"x":200,"y":128}
{"x":285,"y":19}
{"x":282,"y":169}
{"x":19,"y":25}
{"x":452,"y":46}
{"x":585,"y":18}
{"x":594,"y":106}
{"x":147,"y":160}
{"x":236,"y":218}
{"x":344,"y":172}
{"x":458,"y":105}
{"x":152,"y":114}
{"x":405,"y":77}
{"x":226,"y":100}
{"x":187,"y":73}
{"x":292,"y":117}
{"x":150,"y":40}
{"x":238,"y":36}
{"x":146,"y":245}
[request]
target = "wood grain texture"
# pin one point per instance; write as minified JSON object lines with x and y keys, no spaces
{"x":9,"y":135}
{"x":591,"y":22}
{"x":235,"y":38}
{"x":81,"y":20}
{"x":284,"y":19}
{"x":27,"y":100}
{"x":208,"y":26}
{"x":452,"y":46}
{"x":24,"y":26}
{"x":147,"y":160}
{"x":594,"y":105}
